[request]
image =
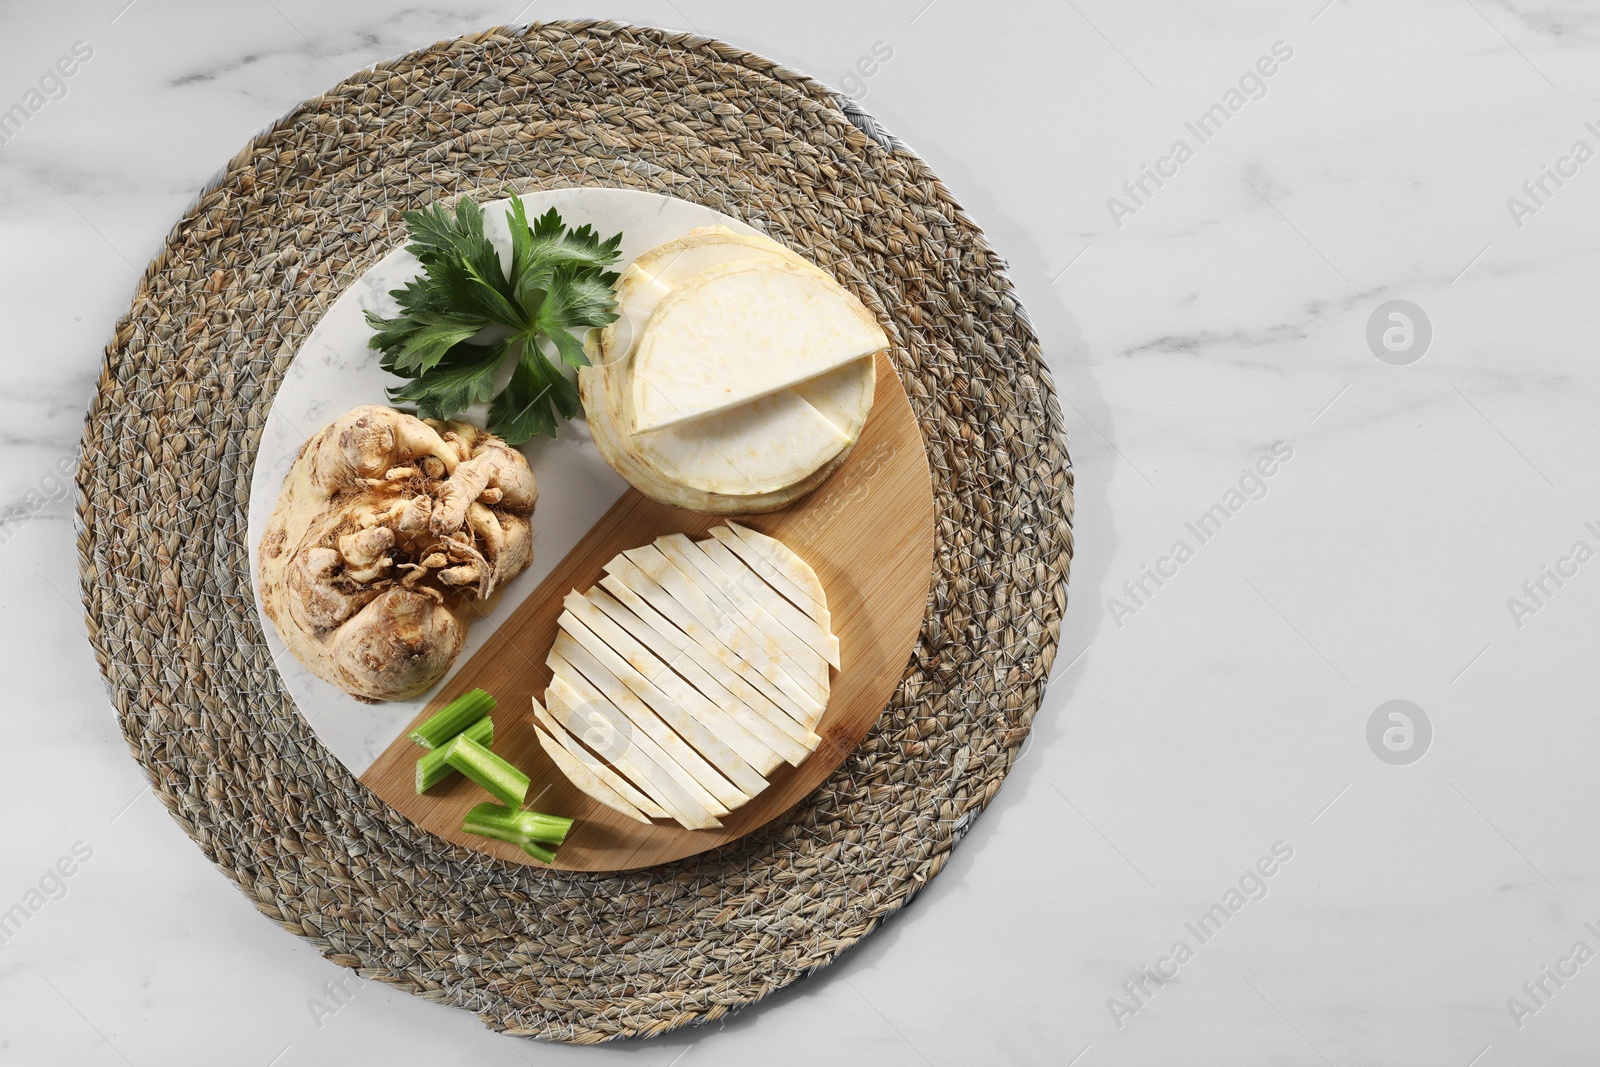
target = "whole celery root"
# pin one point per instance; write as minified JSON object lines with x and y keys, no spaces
{"x":386,"y":530}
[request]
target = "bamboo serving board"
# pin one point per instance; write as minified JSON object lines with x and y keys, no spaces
{"x":868,"y":533}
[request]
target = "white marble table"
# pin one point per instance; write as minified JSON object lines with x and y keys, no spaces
{"x":1193,"y":724}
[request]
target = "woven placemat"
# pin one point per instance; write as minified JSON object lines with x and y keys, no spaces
{"x":164,"y":479}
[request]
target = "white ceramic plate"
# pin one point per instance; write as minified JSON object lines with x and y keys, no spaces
{"x":335,"y":371}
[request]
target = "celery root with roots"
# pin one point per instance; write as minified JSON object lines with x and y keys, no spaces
{"x":387,"y":527}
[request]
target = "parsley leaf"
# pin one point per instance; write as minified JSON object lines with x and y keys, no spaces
{"x":575,"y":298}
{"x":559,"y":286}
{"x":464,"y":377}
{"x":524,"y":406}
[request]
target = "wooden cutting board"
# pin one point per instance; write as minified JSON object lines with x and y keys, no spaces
{"x":868,"y":533}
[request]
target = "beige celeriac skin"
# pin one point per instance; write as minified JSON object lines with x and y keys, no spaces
{"x":387,"y":528}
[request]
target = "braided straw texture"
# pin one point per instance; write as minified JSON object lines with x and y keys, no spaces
{"x":172,"y":434}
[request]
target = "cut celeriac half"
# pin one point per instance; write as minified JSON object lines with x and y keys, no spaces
{"x":602,"y":391}
{"x":736,"y":462}
{"x":843,"y":396}
{"x":635,"y":755}
{"x":741,"y":331}
{"x":648,"y":280}
{"x":757,"y":447}
{"x":677,"y":683}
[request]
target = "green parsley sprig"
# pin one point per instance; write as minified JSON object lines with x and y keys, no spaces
{"x":559,"y":282}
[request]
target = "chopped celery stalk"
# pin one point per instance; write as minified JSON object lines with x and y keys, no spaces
{"x":503,"y":781}
{"x":453,"y":718}
{"x":542,"y":855}
{"x":432,"y":769}
{"x":522,"y":828}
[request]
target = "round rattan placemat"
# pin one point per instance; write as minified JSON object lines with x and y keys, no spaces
{"x":164,"y":478}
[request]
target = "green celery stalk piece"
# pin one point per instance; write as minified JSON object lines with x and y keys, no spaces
{"x":504,"y":782}
{"x":453,"y":718}
{"x":542,"y":855}
{"x":431,"y":767}
{"x":522,"y":828}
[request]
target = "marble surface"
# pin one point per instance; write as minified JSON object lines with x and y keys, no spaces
{"x":1208,"y":741}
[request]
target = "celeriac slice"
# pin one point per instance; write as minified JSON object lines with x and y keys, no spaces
{"x":758,"y":447}
{"x":649,"y":279}
{"x":763,"y":656}
{"x":600,"y":388}
{"x":642,"y":761}
{"x":683,"y":678}
{"x":741,"y":331}
{"x":585,"y":779}
{"x":748,"y":581}
{"x":843,"y":396}
{"x":606,"y":670}
{"x":785,"y":737}
{"x":732,"y":749}
{"x":775,"y":578}
{"x":788,"y":697}
{"x":751,"y":636}
{"x":793,"y":656}
{"x":744,"y":683}
{"x":784,"y":559}
{"x":597,"y":767}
